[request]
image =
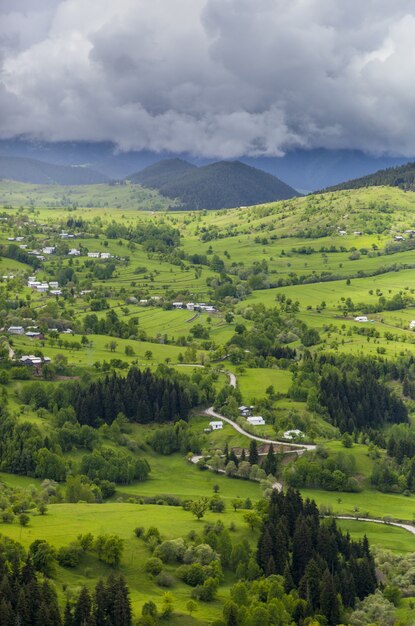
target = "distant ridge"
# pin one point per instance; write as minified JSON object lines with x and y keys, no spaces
{"x":225,"y":184}
{"x":402,"y":176}
{"x":162,"y":173}
{"x":37,"y":172}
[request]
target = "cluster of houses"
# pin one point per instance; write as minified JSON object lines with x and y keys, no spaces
{"x":99,"y":255}
{"x":32,"y":332}
{"x":34,"y":361}
{"x":245,"y":411}
{"x":358,"y":233}
{"x":253,"y":420}
{"x":51,"y":287}
{"x":195,"y":306}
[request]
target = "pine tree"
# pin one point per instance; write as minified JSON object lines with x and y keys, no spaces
{"x":302,"y":548}
{"x":82,"y":608}
{"x":67,"y":616}
{"x":264,"y":550}
{"x":253,"y":453}
{"x":100,"y":603}
{"x":270,"y":463}
{"x":6,"y":613}
{"x":329,"y":602}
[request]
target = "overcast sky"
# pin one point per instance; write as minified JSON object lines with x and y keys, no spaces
{"x":216,"y":78}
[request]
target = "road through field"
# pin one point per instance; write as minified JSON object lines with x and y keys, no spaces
{"x":408,"y":527}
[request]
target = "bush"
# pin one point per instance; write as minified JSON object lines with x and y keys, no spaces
{"x":153,"y":566}
{"x":139,"y":531}
{"x":70,"y":556}
{"x":216,"y":504}
{"x":164,"y":579}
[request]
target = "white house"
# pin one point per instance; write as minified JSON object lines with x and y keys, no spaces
{"x":93,"y":255}
{"x":42,"y":288}
{"x":216,"y":425}
{"x":342,"y":232}
{"x":361,"y":318}
{"x":177,"y":305}
{"x":48,"y":250}
{"x":54,"y":284}
{"x":16,"y":330}
{"x":412,"y":325}
{"x":357,"y":232}
{"x":293,"y":434}
{"x":55,"y":292}
{"x":190,"y":306}
{"x":74,"y":252}
{"x":31,"y":359}
{"x":255,"y":420}
{"x":399,"y":238}
{"x":19,"y":238}
{"x":105,"y":255}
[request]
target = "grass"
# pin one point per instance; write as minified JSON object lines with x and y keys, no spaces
{"x":190,"y":481}
{"x":253,"y":382}
{"x":64,"y":522}
{"x":370,"y":503}
{"x":381,"y":535}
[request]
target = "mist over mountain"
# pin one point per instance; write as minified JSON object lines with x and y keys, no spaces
{"x":38,"y":172}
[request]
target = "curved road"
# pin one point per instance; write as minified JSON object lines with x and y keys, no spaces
{"x":297,"y":446}
{"x":408,"y":527}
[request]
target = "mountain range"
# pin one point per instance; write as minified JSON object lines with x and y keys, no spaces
{"x":305,"y":170}
{"x":38,"y":172}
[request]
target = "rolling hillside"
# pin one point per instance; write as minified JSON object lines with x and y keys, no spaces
{"x":219,"y":185}
{"x":402,"y":177}
{"x":38,"y":172}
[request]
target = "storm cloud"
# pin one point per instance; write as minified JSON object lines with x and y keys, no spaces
{"x":215,"y":78}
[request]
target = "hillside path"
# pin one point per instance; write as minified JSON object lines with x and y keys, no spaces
{"x":296,"y":446}
{"x":408,"y":527}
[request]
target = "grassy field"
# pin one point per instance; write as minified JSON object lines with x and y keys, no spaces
{"x":380,"y":535}
{"x":64,"y":522}
{"x":254,"y":382}
{"x":191,"y":482}
{"x":368,"y":503}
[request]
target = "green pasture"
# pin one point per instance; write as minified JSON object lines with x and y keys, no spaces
{"x":380,"y":535}
{"x":86,"y":197}
{"x":369,"y":503}
{"x":64,"y":522}
{"x":176,"y":476}
{"x":254,"y":382}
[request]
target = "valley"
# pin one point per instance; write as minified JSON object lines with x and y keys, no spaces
{"x":303,"y":305}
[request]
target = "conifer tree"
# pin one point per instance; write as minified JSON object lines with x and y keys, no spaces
{"x":253,"y":453}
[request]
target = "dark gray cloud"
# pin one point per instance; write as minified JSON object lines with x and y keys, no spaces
{"x":220,"y":78}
